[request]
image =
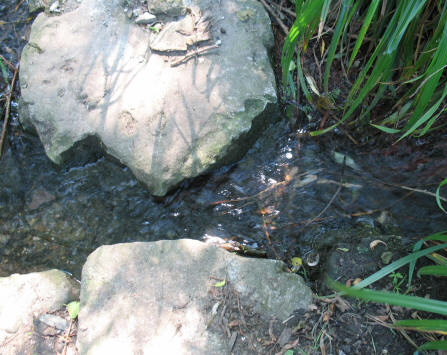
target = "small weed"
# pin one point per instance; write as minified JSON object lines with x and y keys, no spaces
{"x":397,"y":280}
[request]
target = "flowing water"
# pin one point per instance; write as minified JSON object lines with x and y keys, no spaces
{"x":285,"y":196}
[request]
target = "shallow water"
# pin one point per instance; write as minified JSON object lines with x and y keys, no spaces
{"x":54,"y":216}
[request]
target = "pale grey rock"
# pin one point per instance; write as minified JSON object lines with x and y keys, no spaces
{"x":167,"y":7}
{"x":153,"y":298}
{"x":93,"y":72}
{"x":28,"y":295}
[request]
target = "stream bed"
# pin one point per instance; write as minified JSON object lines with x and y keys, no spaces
{"x":54,"y":216}
{"x":291,"y":195}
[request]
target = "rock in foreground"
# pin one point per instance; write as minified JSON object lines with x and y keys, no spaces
{"x":169,"y":105}
{"x":156,"y":298}
{"x":24,"y":297}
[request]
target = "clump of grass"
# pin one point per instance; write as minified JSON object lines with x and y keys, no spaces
{"x":435,"y":326}
{"x":402,"y":45}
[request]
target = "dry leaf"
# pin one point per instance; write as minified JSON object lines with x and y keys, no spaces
{"x":357,"y":281}
{"x":375,"y":243}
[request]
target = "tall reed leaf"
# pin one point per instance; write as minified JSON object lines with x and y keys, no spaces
{"x":419,"y":303}
{"x":334,"y":42}
{"x":305,"y":22}
{"x":409,"y":51}
{"x":434,"y":72}
{"x":425,"y":325}
{"x":397,"y":264}
{"x":366,"y":22}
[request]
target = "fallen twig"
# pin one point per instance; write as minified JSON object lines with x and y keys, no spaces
{"x":68,"y":338}
{"x":275,"y":16}
{"x":194,"y":53}
{"x":269,"y":188}
{"x":416,"y":190}
{"x":8,"y":63}
{"x":285,"y":9}
{"x":8,"y":104}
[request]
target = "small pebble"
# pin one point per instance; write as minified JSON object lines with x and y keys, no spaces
{"x":146,"y":19}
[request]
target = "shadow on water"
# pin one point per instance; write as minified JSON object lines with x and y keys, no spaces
{"x":54,"y":216}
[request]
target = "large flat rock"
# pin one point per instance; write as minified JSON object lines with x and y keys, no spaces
{"x":155,"y":298}
{"x":161,"y":103}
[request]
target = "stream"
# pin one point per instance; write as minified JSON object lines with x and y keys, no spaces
{"x":286,"y":196}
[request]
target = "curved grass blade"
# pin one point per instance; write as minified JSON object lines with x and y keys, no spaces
{"x":397,"y":264}
{"x":424,"y":325}
{"x":413,"y":302}
{"x":441,"y":236}
{"x":386,"y":129}
{"x":438,"y":194}
{"x":434,"y":270}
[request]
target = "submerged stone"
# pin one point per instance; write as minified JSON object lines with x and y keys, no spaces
{"x":169,"y":105}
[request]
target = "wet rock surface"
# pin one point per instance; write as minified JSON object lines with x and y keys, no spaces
{"x":136,"y":296}
{"x":169,"y":105}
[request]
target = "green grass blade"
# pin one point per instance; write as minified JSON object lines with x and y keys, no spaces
{"x":397,"y":264}
{"x":433,"y":42}
{"x":429,"y":124}
{"x":434,"y":345}
{"x":301,"y":79}
{"x":341,"y":23}
{"x":365,"y":25}
{"x":425,"y":117}
{"x":305,"y":22}
{"x":438,"y":194}
{"x":413,"y":302}
{"x":433,"y":73}
{"x":298,"y":6}
{"x":434,"y":270}
{"x":425,"y":325}
{"x":410,"y":10}
{"x":4,"y":72}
